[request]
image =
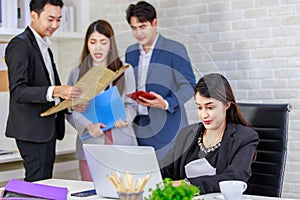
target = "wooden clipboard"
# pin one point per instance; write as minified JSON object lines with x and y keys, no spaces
{"x":92,"y":83}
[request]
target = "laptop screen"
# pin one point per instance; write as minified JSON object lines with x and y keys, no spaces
{"x":104,"y":160}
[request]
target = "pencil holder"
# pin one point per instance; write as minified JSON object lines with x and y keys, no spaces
{"x":131,"y":196}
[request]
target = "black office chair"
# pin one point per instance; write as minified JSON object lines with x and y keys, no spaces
{"x":271,"y":123}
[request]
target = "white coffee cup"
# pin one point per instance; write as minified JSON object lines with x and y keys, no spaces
{"x":232,"y":189}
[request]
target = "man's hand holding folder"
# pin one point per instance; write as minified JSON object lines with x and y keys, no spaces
{"x":91,"y":83}
{"x":136,"y":95}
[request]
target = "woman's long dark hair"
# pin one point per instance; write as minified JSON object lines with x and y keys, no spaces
{"x":113,"y":60}
{"x":216,"y":86}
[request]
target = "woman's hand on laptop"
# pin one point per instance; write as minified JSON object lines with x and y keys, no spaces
{"x":95,"y":129}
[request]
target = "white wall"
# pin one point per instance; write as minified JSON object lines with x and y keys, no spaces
{"x":254,"y":43}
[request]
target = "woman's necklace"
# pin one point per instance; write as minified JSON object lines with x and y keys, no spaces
{"x":209,"y":147}
{"x":207,"y":150}
{"x":213,"y":143}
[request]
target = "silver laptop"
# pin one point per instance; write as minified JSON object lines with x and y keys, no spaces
{"x":103,"y":160}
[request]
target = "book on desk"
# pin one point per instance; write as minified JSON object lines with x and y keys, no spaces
{"x":18,"y":188}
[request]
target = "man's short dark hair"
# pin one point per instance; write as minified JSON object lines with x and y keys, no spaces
{"x":38,"y":5}
{"x":142,"y":10}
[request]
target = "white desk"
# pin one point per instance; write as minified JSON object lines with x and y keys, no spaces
{"x":76,"y":186}
{"x":214,"y":196}
{"x":73,"y":186}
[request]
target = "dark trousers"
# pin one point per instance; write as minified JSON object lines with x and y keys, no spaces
{"x":38,"y":159}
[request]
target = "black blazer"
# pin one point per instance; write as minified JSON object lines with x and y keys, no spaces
{"x":28,"y":84}
{"x":233,"y":163}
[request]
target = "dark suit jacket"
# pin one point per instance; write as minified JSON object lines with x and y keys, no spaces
{"x":170,"y":74}
{"x":28,"y":84}
{"x":233,"y":163}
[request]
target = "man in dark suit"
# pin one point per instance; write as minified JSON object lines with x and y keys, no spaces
{"x":162,"y":67}
{"x":34,"y":87}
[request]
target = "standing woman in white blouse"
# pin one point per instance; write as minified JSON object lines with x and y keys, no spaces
{"x":100,"y":50}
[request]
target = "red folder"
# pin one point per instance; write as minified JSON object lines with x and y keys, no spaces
{"x":137,"y":94}
{"x":18,"y":188}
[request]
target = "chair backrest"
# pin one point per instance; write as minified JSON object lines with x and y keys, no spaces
{"x":271,"y":123}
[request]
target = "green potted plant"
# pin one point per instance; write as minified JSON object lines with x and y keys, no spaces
{"x":166,"y":191}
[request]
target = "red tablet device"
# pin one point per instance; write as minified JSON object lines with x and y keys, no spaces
{"x":137,"y":94}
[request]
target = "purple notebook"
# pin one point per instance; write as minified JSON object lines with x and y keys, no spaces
{"x":36,"y":190}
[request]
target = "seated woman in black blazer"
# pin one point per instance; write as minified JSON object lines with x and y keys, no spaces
{"x":220,"y":147}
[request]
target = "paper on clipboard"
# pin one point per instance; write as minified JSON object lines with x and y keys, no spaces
{"x":92,"y":83}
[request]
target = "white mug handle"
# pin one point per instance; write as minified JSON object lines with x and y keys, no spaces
{"x":244,"y":186}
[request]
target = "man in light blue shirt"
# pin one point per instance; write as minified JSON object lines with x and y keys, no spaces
{"x":162,"y":67}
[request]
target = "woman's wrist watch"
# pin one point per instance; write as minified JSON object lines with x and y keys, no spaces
{"x":187,"y":182}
